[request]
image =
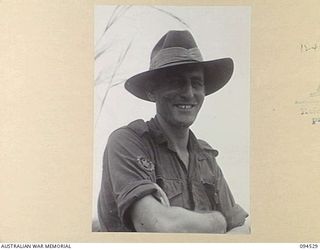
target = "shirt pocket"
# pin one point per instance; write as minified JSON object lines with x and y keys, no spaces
{"x":173,"y":190}
{"x":205,"y":195}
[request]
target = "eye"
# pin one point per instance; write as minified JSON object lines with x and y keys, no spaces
{"x":176,"y":81}
{"x":197,"y":82}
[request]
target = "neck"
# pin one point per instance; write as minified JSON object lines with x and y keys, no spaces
{"x":179,"y":136}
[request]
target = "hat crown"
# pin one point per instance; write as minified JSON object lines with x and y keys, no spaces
{"x":175,"y":38}
{"x":175,"y":47}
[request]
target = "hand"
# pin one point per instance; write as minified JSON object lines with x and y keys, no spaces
{"x":235,"y":217}
{"x":244,"y":229}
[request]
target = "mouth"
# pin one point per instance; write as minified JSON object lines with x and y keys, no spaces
{"x":185,"y":106}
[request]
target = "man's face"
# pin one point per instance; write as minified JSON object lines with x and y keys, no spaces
{"x":179,"y":95}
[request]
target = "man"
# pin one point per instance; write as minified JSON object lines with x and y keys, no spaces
{"x":157,"y":176}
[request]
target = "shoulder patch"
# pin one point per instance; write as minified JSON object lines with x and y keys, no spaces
{"x":145,"y":164}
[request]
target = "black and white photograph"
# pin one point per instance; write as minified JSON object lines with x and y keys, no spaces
{"x":171,"y":119}
{"x":159,"y":122}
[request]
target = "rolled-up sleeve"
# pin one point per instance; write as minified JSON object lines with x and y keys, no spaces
{"x":233,"y":212}
{"x":220,"y":192}
{"x":131,"y":170}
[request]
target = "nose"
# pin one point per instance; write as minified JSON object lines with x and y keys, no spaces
{"x":187,"y":90}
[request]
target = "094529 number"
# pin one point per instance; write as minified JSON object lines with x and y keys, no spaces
{"x":309,"y":246}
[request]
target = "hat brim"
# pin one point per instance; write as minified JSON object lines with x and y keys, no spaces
{"x":216,"y":74}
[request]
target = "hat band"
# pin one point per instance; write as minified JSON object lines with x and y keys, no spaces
{"x":174,"y":55}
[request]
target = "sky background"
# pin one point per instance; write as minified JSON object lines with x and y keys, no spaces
{"x":123,"y":50}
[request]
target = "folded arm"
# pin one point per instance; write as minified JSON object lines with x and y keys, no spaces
{"x":149,"y":215}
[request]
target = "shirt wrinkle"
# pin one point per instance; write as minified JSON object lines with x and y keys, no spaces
{"x":197,"y":188}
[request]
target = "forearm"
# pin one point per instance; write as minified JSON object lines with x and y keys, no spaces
{"x":159,"y":218}
{"x":183,"y":220}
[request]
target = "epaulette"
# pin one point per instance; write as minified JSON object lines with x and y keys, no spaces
{"x":205,"y":146}
{"x":139,"y":127}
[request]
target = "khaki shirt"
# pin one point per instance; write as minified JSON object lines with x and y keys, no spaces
{"x":139,"y":155}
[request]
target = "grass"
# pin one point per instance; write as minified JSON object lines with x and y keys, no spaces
{"x":103,"y":47}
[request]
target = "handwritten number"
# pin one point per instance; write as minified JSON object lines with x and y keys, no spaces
{"x":305,"y":47}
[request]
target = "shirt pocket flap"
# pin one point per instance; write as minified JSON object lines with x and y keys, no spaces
{"x":173,"y":190}
{"x":212,"y":191}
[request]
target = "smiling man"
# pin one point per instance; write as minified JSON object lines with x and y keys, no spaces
{"x":157,"y":176}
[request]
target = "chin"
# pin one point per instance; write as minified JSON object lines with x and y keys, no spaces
{"x":184,"y":124}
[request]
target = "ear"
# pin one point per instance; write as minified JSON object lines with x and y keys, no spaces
{"x":151,"y":96}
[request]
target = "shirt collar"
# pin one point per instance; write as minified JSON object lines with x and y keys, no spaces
{"x":158,"y":134}
{"x":160,"y":137}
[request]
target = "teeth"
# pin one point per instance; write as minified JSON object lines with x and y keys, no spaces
{"x":184,"y":106}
